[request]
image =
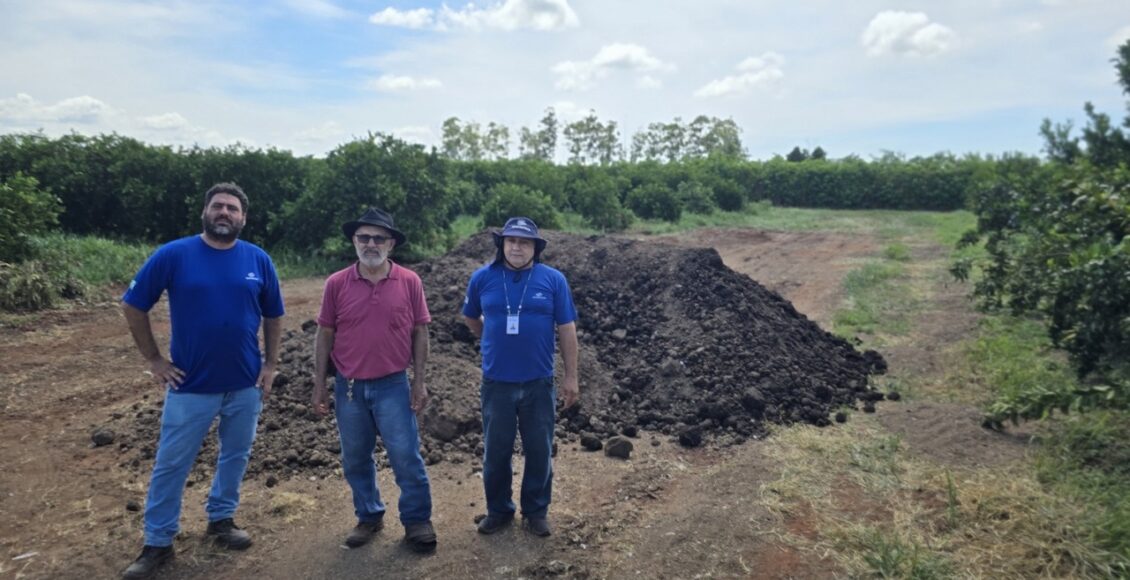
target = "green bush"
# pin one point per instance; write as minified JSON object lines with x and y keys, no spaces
{"x":32,"y":285}
{"x":595,"y":196}
{"x":696,"y":197}
{"x":508,"y":200}
{"x":655,"y":201}
{"x":25,"y":211}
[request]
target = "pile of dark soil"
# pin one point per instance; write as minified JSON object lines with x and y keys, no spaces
{"x":671,"y":340}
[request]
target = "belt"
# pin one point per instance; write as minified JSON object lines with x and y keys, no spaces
{"x":349,"y":382}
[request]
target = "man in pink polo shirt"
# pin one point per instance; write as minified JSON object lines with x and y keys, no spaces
{"x":373,"y":323}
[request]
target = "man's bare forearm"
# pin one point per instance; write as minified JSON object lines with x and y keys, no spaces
{"x":323,"y":344}
{"x":272,"y":336}
{"x":142,"y":332}
{"x":475,"y":325}
{"x":420,"y":350}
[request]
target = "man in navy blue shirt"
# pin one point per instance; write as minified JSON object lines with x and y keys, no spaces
{"x":221,"y":290}
{"x":517,"y":306}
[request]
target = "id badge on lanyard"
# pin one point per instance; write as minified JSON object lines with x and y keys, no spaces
{"x":512,"y":324}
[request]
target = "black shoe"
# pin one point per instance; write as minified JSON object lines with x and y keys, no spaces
{"x":492,"y":523}
{"x":151,"y":558}
{"x":420,"y":537}
{"x":362,"y":533}
{"x":228,"y":535}
{"x":538,"y":526}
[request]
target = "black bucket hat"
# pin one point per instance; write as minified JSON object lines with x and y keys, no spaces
{"x":374,"y":217}
{"x":520,"y":227}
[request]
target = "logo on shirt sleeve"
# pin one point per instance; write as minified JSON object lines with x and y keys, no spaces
{"x":252,"y":276}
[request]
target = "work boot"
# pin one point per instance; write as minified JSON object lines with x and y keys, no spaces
{"x":538,"y":526}
{"x":146,"y":565}
{"x":493,"y":523}
{"x":228,"y":535}
{"x":421,"y":537}
{"x":362,"y":533}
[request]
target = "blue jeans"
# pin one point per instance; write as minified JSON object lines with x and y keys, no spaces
{"x":381,"y":406}
{"x":184,"y":424}
{"x":510,"y":408}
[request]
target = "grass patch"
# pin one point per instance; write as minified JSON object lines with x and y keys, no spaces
{"x":291,"y":264}
{"x":931,"y":522}
{"x":94,"y":261}
{"x":1009,"y":358}
{"x":878,"y":302}
{"x":1087,"y":458}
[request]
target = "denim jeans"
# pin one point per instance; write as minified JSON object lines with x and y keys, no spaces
{"x":184,"y":424}
{"x":510,"y":408}
{"x":381,"y":406}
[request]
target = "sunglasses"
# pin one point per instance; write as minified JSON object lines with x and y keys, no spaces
{"x":364,"y":239}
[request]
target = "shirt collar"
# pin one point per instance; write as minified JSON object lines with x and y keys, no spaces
{"x":393,"y":272}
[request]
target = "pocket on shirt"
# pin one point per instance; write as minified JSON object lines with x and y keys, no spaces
{"x":401,"y":317}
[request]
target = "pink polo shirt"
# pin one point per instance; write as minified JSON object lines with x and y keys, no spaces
{"x":373,"y":322}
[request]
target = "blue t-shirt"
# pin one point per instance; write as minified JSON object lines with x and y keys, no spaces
{"x":217,"y":300}
{"x":545,"y":300}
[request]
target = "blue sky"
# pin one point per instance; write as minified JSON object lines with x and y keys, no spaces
{"x":863,"y":77}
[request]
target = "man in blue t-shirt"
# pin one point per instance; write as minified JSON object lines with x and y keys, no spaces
{"x":514,"y":305}
{"x":221,"y":289}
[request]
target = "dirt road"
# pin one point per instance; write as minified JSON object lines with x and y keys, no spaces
{"x":669,"y":512}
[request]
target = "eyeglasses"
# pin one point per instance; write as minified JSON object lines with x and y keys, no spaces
{"x":364,"y":239}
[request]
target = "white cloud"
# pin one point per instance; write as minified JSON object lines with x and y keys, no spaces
{"x":394,"y":83}
{"x":319,"y":9}
{"x":320,"y":134}
{"x":508,"y":15}
{"x":167,"y":122}
{"x":753,"y":72}
{"x":416,"y":134}
{"x":631,"y":58}
{"x":418,"y":18}
{"x":516,"y":14}
{"x":1118,"y":38}
{"x":23,"y":109}
{"x":907,"y":33}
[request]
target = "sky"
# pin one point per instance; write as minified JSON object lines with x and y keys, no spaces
{"x":855,"y":78}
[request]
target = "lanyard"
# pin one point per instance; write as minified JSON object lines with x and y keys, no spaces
{"x":506,"y":292}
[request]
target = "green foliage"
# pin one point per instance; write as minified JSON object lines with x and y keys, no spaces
{"x":897,"y":251}
{"x":655,"y":201}
{"x":1088,"y":459}
{"x":25,"y":211}
{"x":91,"y":260}
{"x":26,"y":287}
{"x":696,"y":197}
{"x":877,"y":302}
{"x":889,"y":556}
{"x":1058,"y":247}
{"x":595,"y":195}
{"x":1062,"y":250}
{"x":507,"y":201}
{"x":375,"y":171}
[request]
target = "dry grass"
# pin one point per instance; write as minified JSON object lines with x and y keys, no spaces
{"x":853,"y":493}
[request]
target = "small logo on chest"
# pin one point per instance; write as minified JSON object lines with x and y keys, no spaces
{"x":251,"y":276}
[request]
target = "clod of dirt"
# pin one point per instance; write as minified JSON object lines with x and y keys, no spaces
{"x":133,"y":506}
{"x":102,"y":436}
{"x":618,"y":446}
{"x":690,"y":438}
{"x":591,"y":442}
{"x":893,"y":395}
{"x":841,"y":417}
{"x":869,"y":407}
{"x":671,"y":340}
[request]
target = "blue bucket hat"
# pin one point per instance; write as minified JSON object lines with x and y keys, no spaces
{"x":520,"y":227}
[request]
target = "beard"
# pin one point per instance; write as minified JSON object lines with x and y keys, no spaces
{"x":372,"y":259}
{"x":223,"y":232}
